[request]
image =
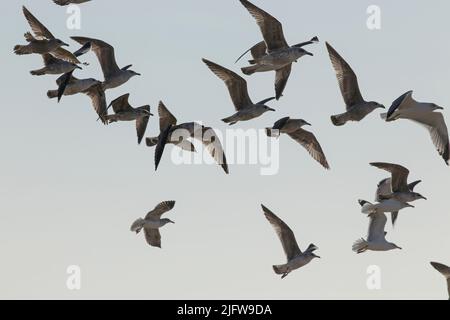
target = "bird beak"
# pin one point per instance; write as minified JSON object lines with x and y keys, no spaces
{"x":411,"y":206}
{"x":309,"y":53}
{"x":308,"y":124}
{"x":270,"y":109}
{"x":424,"y":198}
{"x":399,"y":248}
{"x":78,"y":67}
{"x":65,"y":44}
{"x":382,"y":107}
{"x":316,"y":256}
{"x":138,"y":74}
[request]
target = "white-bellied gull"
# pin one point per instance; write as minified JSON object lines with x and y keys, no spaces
{"x":274,"y":53}
{"x":123,"y":111}
{"x":69,"y":85}
{"x":357,"y":107}
{"x":401,"y":190}
{"x":445,"y":271}
{"x":153,"y":222}
{"x":114,"y":76}
{"x":54,"y":65}
{"x":293,"y":128}
{"x":171,"y":132}
{"x":43,"y":41}
{"x":295,"y":257}
{"x":68,"y":2}
{"x":376,"y":238}
{"x":405,"y":107}
{"x":237,"y":87}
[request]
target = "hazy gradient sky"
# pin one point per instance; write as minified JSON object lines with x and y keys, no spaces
{"x":70,"y":188}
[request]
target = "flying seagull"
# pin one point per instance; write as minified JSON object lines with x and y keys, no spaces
{"x":67,"y":2}
{"x":69,"y":85}
{"x":237,"y":87}
{"x":376,"y":238}
{"x":445,"y":271}
{"x":114,"y":76}
{"x":274,"y":53}
{"x":170,"y":133}
{"x":123,"y":111}
{"x":153,"y":222}
{"x":293,"y":128}
{"x":357,"y":108}
{"x":401,"y":190}
{"x":295,"y":257}
{"x":58,"y":66}
{"x":405,"y":107}
{"x":43,"y":41}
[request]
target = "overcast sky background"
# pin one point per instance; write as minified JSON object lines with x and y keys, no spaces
{"x":70,"y":188}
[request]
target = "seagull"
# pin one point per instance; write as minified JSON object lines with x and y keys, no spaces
{"x":123,"y":111}
{"x":400,"y":189}
{"x":67,"y":2}
{"x":445,"y":271}
{"x":114,"y":76}
{"x":405,"y":107}
{"x":293,"y":128}
{"x":170,"y":133}
{"x":153,"y":222}
{"x":237,"y":87}
{"x":376,"y":239}
{"x":391,"y":205}
{"x":43,"y":41}
{"x":57,"y":66}
{"x":295,"y":257}
{"x":69,"y":85}
{"x":357,"y":107}
{"x":274,"y":53}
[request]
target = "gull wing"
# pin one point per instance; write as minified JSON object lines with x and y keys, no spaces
{"x":284,"y":233}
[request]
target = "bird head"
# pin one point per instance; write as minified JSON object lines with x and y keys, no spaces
{"x":267,"y":108}
{"x":166,"y":221}
{"x":144,"y":110}
{"x":300,"y":52}
{"x":376,"y":105}
{"x":304,"y":123}
{"x":418,"y":196}
{"x":61,"y":43}
{"x":436,"y":107}
{"x":311,"y":249}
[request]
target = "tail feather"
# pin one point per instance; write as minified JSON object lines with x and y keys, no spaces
{"x":21,"y":50}
{"x":339,"y":120}
{"x":39,"y":72}
{"x":360,"y":246}
{"x":249,"y":70}
{"x":151,"y":142}
{"x":52,"y":94}
{"x":138,"y":225}
{"x":280,"y":269}
{"x":366,"y":207}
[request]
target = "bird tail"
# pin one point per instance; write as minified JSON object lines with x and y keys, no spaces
{"x":51,"y":94}
{"x":151,"y":142}
{"x":281,"y":269}
{"x":360,"y":246}
{"x":21,"y":50}
{"x":339,"y":120}
{"x":272,"y":133}
{"x":138,"y":225}
{"x":39,"y":72}
{"x":229,"y":120}
{"x":250,"y":70}
{"x":366,"y":207}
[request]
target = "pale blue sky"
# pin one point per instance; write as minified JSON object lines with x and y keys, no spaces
{"x":70,"y":188}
